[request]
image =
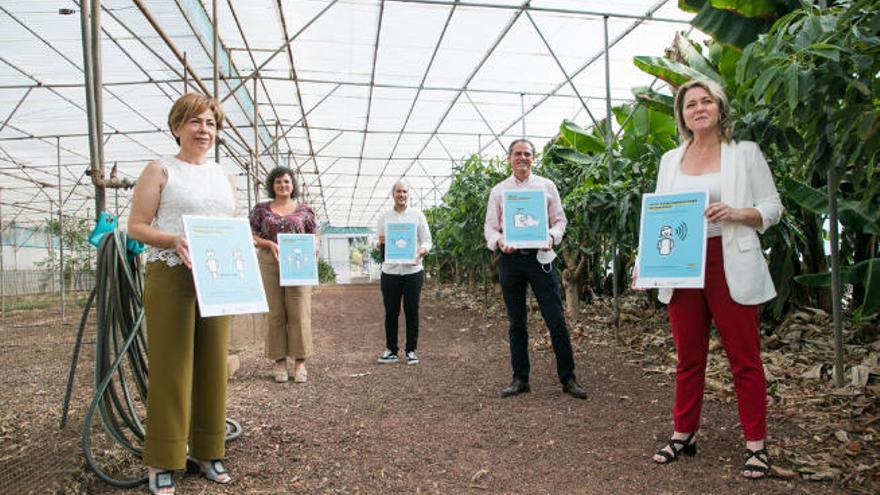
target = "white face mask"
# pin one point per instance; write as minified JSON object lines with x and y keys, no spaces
{"x":546,"y":257}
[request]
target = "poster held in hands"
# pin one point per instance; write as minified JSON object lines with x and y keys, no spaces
{"x":525,"y":218}
{"x":672,"y":240}
{"x":297,"y":259}
{"x":224,"y":266}
{"x":401,"y":243}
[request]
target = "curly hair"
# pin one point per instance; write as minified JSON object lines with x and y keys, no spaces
{"x":280,"y":172}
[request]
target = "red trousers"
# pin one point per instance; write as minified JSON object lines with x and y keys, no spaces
{"x":690,"y":313}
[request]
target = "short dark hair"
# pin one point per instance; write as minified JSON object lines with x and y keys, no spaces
{"x":276,"y":173}
{"x":520,"y":140}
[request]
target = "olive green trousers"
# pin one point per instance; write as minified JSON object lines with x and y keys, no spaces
{"x":186,"y":389}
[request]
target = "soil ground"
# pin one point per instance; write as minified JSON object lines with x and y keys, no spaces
{"x":438,"y":427}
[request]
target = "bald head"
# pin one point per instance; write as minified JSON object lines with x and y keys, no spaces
{"x":400,"y":193}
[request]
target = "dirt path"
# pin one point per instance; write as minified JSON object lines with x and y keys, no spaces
{"x":441,"y":427}
{"x":361,"y":427}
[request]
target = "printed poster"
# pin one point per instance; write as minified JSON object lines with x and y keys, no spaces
{"x":297,"y":259}
{"x":525,"y":218}
{"x":401,"y":242}
{"x":224,"y":266}
{"x":672,"y":240}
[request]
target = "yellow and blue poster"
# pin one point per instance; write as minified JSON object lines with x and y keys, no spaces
{"x":224,"y":266}
{"x":401,"y":242}
{"x":297,"y":259}
{"x":525,"y":218}
{"x":672,"y":240}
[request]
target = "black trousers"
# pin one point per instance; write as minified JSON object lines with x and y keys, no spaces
{"x":409,"y":288}
{"x":517,"y":271}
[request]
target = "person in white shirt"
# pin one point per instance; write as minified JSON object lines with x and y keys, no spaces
{"x":401,"y":280}
{"x":520,"y":268}
{"x":743,"y":203}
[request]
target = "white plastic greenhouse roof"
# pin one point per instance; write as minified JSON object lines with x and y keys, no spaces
{"x":368,"y":92}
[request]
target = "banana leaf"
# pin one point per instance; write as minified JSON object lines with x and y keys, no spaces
{"x":851,"y":213}
{"x":581,"y":139}
{"x":865,"y":274}
{"x":688,"y":53}
{"x":692,"y":6}
{"x":748,"y":8}
{"x":672,"y":72}
{"x":729,"y":27}
{"x":654,"y":100}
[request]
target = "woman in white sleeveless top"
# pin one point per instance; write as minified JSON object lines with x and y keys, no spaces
{"x":743,"y":203}
{"x":186,"y":400}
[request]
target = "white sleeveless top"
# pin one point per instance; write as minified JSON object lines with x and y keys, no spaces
{"x":710,"y":182}
{"x":189,"y":190}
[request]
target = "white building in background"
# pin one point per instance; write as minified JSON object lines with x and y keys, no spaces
{"x":337,"y":244}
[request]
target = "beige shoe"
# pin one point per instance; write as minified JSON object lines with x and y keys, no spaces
{"x":300,"y":375}
{"x":280,"y":371}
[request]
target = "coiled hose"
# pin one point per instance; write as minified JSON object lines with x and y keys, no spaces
{"x":119,"y":338}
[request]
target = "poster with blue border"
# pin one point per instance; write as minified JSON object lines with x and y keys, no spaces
{"x":224,"y":266}
{"x":297,"y":259}
{"x":401,"y":242}
{"x":525,"y":218}
{"x":672,"y":240}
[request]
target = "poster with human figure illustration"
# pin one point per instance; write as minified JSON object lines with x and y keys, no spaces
{"x":224,"y":266}
{"x":672,"y":240}
{"x":297,"y":259}
{"x":401,"y":243}
{"x":525,"y":218}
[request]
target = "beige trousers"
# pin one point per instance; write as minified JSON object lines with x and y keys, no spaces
{"x":289,"y":332}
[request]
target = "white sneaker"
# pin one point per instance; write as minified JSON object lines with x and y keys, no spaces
{"x":411,"y":358}
{"x":388,"y":357}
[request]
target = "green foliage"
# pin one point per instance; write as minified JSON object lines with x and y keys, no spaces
{"x":459,"y":251}
{"x":78,"y":253}
{"x":326,"y":273}
{"x":809,"y":90}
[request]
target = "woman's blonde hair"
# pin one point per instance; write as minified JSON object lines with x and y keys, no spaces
{"x":725,"y":123}
{"x":190,"y":105}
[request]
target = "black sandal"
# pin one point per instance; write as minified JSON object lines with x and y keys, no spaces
{"x":162,"y":479}
{"x":762,"y":457}
{"x":686,"y":446}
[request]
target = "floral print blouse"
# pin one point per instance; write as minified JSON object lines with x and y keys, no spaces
{"x":267,"y":224}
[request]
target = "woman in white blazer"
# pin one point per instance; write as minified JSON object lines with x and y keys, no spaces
{"x":743,"y":203}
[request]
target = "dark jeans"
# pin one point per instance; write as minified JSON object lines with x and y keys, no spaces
{"x":409,"y":287}
{"x":516,"y":271}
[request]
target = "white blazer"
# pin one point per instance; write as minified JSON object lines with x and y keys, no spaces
{"x":746,"y":182}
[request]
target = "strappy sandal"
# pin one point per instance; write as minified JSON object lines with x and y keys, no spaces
{"x":162,"y":480}
{"x":686,"y":446}
{"x":761,"y":456}
{"x":213,"y":472}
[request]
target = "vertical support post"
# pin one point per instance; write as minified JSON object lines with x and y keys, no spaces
{"x":609,"y":136}
{"x":2,"y":267}
{"x":835,"y":277}
{"x":60,"y":231}
{"x":216,"y":73}
{"x":480,"y":146}
{"x":256,"y":168}
{"x":522,"y":108}
{"x":185,"y":75}
{"x":277,"y":152}
{"x":97,"y":91}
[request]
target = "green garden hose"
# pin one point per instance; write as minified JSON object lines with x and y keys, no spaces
{"x":119,"y":338}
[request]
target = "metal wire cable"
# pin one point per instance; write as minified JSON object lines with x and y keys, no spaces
{"x":119,"y":338}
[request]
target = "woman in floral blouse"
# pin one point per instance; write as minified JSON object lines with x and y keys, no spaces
{"x":290,"y":308}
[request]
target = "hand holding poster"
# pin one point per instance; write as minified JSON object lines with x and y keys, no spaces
{"x":224,"y":266}
{"x":525,"y":218}
{"x":297,"y":259}
{"x":672,"y":240}
{"x":401,"y":243}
